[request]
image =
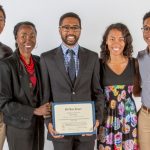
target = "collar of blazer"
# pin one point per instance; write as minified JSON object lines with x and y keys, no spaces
{"x":23,"y":75}
{"x":59,"y":59}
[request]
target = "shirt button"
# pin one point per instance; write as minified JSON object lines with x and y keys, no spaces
{"x":73,"y":93}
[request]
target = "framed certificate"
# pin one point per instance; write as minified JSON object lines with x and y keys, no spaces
{"x":74,"y":118}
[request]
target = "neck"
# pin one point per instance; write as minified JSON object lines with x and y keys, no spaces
{"x":70,"y":46}
{"x":117,"y":59}
{"x":26,"y":57}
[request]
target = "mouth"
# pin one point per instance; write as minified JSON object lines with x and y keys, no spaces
{"x":27,"y":46}
{"x":71,"y":37}
{"x":115,"y":49}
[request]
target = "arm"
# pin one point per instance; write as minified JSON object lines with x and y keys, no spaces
{"x":45,"y":86}
{"x":47,"y":96}
{"x":9,"y":105}
{"x":137,"y":80}
{"x":97,"y":91}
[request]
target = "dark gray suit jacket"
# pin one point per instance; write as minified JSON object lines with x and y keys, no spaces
{"x":57,"y":86}
{"x":5,"y":51}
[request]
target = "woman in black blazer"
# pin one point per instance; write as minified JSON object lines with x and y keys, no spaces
{"x":20,"y":93}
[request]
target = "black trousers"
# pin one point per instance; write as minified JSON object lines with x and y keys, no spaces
{"x":74,"y":143}
{"x":25,"y":139}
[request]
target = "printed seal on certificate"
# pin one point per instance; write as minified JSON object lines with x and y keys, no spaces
{"x":74,"y":118}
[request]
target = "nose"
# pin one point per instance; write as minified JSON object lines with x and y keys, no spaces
{"x":71,"y":31}
{"x":29,"y":37}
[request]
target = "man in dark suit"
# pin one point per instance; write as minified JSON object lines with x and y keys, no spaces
{"x":5,"y":51}
{"x":70,"y":73}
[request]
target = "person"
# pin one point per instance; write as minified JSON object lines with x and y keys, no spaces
{"x":119,"y":129}
{"x":5,"y":51}
{"x":58,"y":86}
{"x":144,"y":84}
{"x":21,"y":93}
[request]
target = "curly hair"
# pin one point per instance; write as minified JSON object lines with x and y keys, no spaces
{"x":128,"y":49}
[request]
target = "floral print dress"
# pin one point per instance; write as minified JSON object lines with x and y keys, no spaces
{"x":119,"y":130}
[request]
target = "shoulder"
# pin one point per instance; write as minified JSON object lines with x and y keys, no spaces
{"x":36,"y":58}
{"x":3,"y":46}
{"x":88,"y":52}
{"x":50,"y":52}
{"x":5,"y":51}
{"x":141,"y":54}
{"x":132,"y":59}
{"x":7,"y":62}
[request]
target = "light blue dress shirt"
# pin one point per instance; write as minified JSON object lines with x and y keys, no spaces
{"x":144,"y":67}
{"x":67,"y":57}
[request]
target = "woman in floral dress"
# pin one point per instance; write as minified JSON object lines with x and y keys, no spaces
{"x":119,"y":130}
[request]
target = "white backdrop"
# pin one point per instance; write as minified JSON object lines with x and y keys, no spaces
{"x":95,"y":15}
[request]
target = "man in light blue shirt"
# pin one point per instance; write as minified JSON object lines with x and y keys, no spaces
{"x":144,"y":68}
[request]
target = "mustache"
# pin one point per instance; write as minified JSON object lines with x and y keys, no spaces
{"x":71,"y":35}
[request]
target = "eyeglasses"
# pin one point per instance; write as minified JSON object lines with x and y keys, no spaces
{"x":146,"y":29}
{"x":68,"y":28}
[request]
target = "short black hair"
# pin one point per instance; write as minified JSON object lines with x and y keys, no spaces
{"x":147,"y":15}
{"x":3,"y":11}
{"x":69,"y":14}
{"x":18,"y":25}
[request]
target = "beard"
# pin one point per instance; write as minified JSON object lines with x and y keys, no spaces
{"x":68,"y":41}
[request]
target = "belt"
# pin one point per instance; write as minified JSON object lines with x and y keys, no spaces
{"x":145,"y":108}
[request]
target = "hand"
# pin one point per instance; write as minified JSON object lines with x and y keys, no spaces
{"x":43,"y":110}
{"x":95,"y":127}
{"x":97,"y":123}
{"x":53,"y":132}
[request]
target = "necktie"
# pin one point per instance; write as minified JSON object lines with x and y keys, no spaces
{"x":71,"y":66}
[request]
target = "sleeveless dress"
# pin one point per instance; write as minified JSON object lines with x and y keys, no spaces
{"x":119,"y":129}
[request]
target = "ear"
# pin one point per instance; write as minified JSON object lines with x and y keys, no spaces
{"x":106,"y":41}
{"x":59,"y":30}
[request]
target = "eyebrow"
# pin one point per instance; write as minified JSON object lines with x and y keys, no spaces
{"x":114,"y":36}
{"x":70,"y":25}
{"x":146,"y":26}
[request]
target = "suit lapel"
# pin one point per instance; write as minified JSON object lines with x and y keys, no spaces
{"x":23,"y":76}
{"x":59,"y":59}
{"x":25,"y":84}
{"x":38,"y":76}
{"x":82,"y":63}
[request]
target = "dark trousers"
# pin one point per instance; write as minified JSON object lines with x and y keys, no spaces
{"x":74,"y":143}
{"x":31,"y":138}
{"x":19,"y":139}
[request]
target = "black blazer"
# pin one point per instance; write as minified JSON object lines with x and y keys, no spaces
{"x":15,"y":98}
{"x":5,"y":51}
{"x":57,"y":86}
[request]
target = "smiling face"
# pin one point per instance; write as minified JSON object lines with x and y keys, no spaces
{"x":70,"y":31}
{"x":146,"y":33}
{"x":115,"y":42}
{"x":26,"y":39}
{"x":2,"y":21}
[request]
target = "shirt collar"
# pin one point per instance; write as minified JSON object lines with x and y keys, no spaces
{"x":65,"y":48}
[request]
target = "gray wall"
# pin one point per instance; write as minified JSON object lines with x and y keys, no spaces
{"x":96,"y":15}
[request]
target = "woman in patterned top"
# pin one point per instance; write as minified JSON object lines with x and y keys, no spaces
{"x":119,"y":129}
